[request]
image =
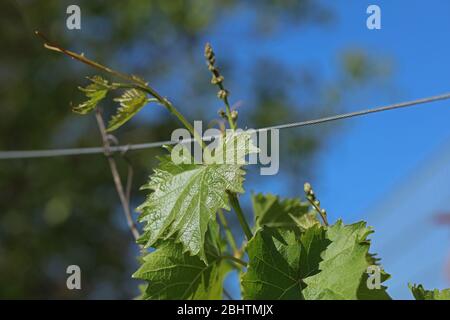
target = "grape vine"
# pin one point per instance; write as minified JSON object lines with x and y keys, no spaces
{"x":292,"y":251}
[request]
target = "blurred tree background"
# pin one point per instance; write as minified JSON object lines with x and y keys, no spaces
{"x":61,"y":211}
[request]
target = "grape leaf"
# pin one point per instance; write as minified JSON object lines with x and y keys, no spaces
{"x":271,"y":211}
{"x":343,"y":268}
{"x":279,"y":260}
{"x":307,"y":220}
{"x":131,"y":102}
{"x":185,"y":197}
{"x":95,"y":92}
{"x":174,"y":274}
{"x":420,"y":293}
{"x":142,"y":292}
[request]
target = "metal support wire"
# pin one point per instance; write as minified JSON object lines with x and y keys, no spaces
{"x":27,"y":154}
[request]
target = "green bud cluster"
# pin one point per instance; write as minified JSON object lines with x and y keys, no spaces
{"x":217,"y":78}
{"x":311,"y":197}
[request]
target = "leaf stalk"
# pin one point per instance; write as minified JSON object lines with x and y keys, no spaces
{"x":240,"y":215}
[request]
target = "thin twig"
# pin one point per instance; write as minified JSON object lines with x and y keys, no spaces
{"x":116,"y":177}
{"x":129,"y":183}
{"x":123,"y":154}
{"x":130,"y":173}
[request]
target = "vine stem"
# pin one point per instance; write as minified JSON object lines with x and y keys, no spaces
{"x":222,"y":94}
{"x":319,"y":211}
{"x":228,"y":233}
{"x":231,"y":195}
{"x":234,"y":259}
{"x":124,"y":199}
{"x":138,"y":83}
{"x":231,"y":122}
{"x":240,"y":215}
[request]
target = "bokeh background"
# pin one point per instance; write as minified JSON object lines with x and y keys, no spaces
{"x":283,"y":60}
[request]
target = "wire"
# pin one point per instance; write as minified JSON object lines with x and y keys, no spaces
{"x":361,"y":112}
{"x":27,"y":154}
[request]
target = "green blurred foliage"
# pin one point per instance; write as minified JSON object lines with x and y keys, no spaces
{"x":62,"y":211}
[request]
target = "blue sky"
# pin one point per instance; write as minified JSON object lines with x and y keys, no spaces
{"x":391,"y":169}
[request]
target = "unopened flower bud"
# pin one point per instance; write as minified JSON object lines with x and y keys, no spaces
{"x":216,"y":80}
{"x":209,"y":53}
{"x":222,"y":94}
{"x":222,"y":113}
{"x":307,"y":188}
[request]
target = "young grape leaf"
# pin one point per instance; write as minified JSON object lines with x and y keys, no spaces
{"x":279,"y":260}
{"x":186,"y":197}
{"x":95,"y":92}
{"x":307,"y":220}
{"x":270,"y":211}
{"x":174,"y":274}
{"x":131,"y":102}
{"x":420,"y":293}
{"x":343,"y":270}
